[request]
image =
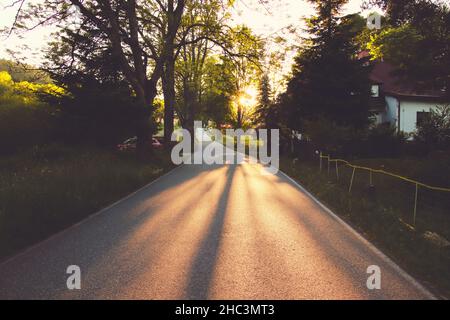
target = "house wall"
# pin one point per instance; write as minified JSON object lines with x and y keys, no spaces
{"x":391,"y":110}
{"x":408,"y":112}
{"x":409,"y":109}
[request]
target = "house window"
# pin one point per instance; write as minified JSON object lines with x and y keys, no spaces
{"x":375,"y":90}
{"x":422,"y":116}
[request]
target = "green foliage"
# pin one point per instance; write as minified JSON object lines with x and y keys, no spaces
{"x":380,"y":212}
{"x":208,"y":84}
{"x":338,"y":140}
{"x":328,"y":80}
{"x":331,"y":137}
{"x":434,"y":131}
{"x":202,"y":74}
{"x":24,"y":119}
{"x":24,"y":92}
{"x":24,"y":72}
{"x":418,"y":12}
{"x":218,"y":90}
{"x":416,"y":41}
{"x":264,"y":112}
{"x":100,"y":107}
{"x":392,"y":43}
{"x":96,"y":112}
{"x":383,"y":140}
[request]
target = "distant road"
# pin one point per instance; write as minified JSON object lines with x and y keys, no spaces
{"x":208,"y":232}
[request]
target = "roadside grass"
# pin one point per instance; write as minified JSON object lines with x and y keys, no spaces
{"x":383,"y":215}
{"x":45,"y":189}
{"x":433,"y":169}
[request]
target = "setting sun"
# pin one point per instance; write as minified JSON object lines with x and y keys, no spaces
{"x":248,"y":97}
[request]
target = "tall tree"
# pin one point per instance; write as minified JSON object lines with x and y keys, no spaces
{"x":264,"y":102}
{"x":99,"y":104}
{"x":140,"y":34}
{"x":328,"y":79}
{"x":200,"y":28}
{"x":238,"y":50}
{"x":247,"y":68}
{"x":217,"y":90}
{"x":416,"y":40}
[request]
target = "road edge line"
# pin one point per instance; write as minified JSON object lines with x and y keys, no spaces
{"x":377,"y":251}
{"x":87,"y":218}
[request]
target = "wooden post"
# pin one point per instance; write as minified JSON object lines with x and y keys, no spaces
{"x":415,"y":205}
{"x":337,"y":171}
{"x":351,"y":181}
{"x":320,"y":161}
{"x":328,"y":168}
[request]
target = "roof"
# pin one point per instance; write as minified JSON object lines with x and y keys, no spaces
{"x":383,"y":73}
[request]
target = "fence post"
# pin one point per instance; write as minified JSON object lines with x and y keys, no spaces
{"x":320,"y":161}
{"x":337,"y":171}
{"x":328,"y":168}
{"x":415,"y":204}
{"x":370,"y":179}
{"x":351,"y":181}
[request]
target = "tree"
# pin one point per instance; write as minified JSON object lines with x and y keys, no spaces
{"x":197,"y":30}
{"x":327,"y":78}
{"x":139,"y":33}
{"x":99,"y":106}
{"x":200,"y":28}
{"x":434,"y":130}
{"x":399,"y":12}
{"x":203,"y":53}
{"x":248,"y":50}
{"x":263,"y":108}
{"x":24,"y":72}
{"x":416,"y":42}
{"x":217,"y":90}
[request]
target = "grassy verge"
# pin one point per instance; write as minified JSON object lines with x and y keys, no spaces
{"x":45,"y":189}
{"x":433,"y":169}
{"x":381,"y":221}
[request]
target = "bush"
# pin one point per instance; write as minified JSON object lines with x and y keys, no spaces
{"x":24,"y":120}
{"x":434,"y":131}
{"x":95,"y":113}
{"x":35,"y":114}
{"x":333,"y":138}
{"x":338,"y":140}
{"x":383,"y":140}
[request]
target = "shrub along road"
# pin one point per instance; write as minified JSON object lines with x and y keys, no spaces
{"x":216,"y":232}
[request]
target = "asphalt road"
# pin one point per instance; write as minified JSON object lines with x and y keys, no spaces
{"x":208,"y":232}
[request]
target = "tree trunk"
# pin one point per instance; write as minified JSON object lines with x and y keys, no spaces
{"x":239,"y":117}
{"x":145,"y":127}
{"x":168,"y":82}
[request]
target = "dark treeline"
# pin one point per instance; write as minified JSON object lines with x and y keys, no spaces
{"x":120,"y":61}
{"x":130,"y":68}
{"x":328,"y":92}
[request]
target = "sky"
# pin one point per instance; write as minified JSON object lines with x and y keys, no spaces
{"x":267,"y":19}
{"x":277,"y":14}
{"x":272,"y":19}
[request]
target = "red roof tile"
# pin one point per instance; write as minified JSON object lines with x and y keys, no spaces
{"x":384,"y":73}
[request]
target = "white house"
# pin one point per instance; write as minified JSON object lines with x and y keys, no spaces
{"x":399,"y":102}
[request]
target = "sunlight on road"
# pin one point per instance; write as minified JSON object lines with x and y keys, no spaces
{"x":210,"y":232}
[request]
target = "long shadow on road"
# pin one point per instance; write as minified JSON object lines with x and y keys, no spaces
{"x":203,"y":265}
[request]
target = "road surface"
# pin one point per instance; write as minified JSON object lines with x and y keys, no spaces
{"x":208,"y":232}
